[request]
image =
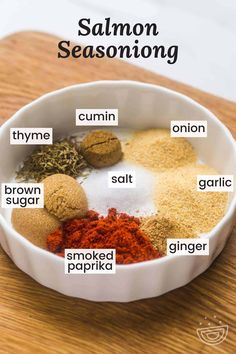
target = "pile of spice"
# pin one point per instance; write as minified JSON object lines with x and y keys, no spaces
{"x":177,"y":198}
{"x":173,"y":162}
{"x":65,"y":221}
{"x":157,"y":150}
{"x":34,"y":224}
{"x":101,"y":148}
{"x":158,"y":228}
{"x":61,"y":157}
{"x":64,"y":199}
{"x":116,"y":230}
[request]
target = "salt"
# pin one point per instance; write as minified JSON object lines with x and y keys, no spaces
{"x":134,"y":201}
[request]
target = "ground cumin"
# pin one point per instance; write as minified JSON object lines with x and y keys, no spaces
{"x":101,"y":148}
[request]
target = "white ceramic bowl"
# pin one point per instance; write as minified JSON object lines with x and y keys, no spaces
{"x":140,"y":106}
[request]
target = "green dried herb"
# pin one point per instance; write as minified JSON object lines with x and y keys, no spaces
{"x":61,"y":157}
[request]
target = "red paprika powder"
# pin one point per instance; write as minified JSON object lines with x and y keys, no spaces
{"x":116,"y":230}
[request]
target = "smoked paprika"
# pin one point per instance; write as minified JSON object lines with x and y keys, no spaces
{"x":116,"y":230}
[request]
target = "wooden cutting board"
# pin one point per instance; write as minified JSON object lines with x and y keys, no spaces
{"x":34,"y":319}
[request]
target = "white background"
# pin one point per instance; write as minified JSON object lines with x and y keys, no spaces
{"x":205,"y":31}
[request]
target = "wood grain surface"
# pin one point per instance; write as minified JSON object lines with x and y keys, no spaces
{"x":34,"y":319}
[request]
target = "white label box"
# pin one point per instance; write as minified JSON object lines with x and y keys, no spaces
{"x":215,"y":183}
{"x":188,"y":128}
{"x":90,"y":261}
{"x":188,"y":246}
{"x":31,"y":136}
{"x":22,"y":195}
{"x":96,"y":117}
{"x":121,"y":179}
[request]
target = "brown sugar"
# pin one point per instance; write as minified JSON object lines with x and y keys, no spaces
{"x":34,"y":224}
{"x":64,"y":197}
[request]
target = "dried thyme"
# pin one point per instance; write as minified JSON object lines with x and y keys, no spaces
{"x":61,"y":157}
